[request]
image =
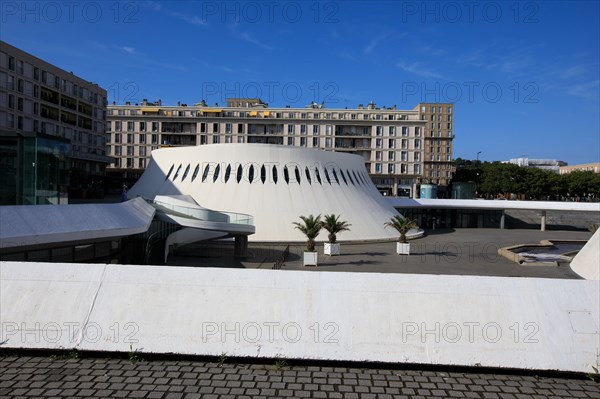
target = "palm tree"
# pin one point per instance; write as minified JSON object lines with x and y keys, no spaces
{"x":310,"y":227}
{"x":333,"y":225}
{"x":402,"y":225}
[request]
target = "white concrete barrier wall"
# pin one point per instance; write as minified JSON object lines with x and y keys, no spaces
{"x":587,"y":262}
{"x":543,"y":324}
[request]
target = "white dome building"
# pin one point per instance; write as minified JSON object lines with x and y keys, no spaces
{"x":274,"y":184}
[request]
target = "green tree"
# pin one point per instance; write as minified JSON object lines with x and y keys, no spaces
{"x":310,"y":227}
{"x":334,"y":226}
{"x":402,"y":225}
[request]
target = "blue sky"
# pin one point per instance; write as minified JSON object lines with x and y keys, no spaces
{"x":524,"y":76}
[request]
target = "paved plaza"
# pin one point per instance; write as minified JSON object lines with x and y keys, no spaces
{"x":34,"y":377}
{"x":441,"y":251}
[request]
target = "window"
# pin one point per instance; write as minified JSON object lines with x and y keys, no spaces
{"x":117,"y":126}
{"x":377,"y":168}
{"x":328,"y":142}
{"x":142,"y":126}
{"x":240,"y":128}
{"x":391,"y":168}
{"x":302,"y":129}
{"x":129,"y":138}
{"x":404,"y":156}
{"x":303,"y":141}
{"x":290,"y":129}
{"x":392,"y":143}
{"x":417,"y":169}
{"x":316,"y":129}
{"x":391,"y":156}
{"x":228,"y":128}
{"x":142,"y":151}
{"x":290,"y":141}
{"x":130,"y":150}
{"x":378,"y":143}
{"x":130,"y":126}
{"x":316,"y":141}
{"x":142,"y":139}
{"x":155,"y":126}
{"x":392,"y":131}
{"x":417,"y":143}
{"x":378,"y":155}
{"x":216,"y":139}
{"x":417,"y":156}
{"x":328,"y":130}
{"x":215,"y":128}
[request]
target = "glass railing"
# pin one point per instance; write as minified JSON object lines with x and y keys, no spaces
{"x":204,"y":214}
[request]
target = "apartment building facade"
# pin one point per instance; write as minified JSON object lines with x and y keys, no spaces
{"x":399,"y":147}
{"x":52,"y":130}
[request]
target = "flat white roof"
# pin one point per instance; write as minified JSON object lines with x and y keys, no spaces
{"x":494,"y":204}
{"x":25,"y":225}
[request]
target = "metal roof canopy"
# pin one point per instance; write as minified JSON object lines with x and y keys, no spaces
{"x":26,"y":225}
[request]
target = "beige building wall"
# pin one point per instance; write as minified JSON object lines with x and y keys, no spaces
{"x":392,"y":142}
{"x":439,"y":135}
{"x":590,"y":167}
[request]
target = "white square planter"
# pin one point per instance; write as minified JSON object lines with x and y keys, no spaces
{"x":310,"y":258}
{"x":403,"y":249}
{"x":331,"y":249}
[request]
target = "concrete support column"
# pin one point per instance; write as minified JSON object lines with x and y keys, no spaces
{"x":502,"y":218}
{"x":240,"y":249}
{"x":543,"y":222}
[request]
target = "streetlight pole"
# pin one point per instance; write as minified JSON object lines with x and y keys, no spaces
{"x":478,"y":152}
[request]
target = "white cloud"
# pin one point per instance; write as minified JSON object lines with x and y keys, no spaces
{"x":374,"y":43}
{"x":191,"y":19}
{"x":416,"y":68}
{"x":248,"y":38}
{"x":587,"y":90}
{"x":129,"y":50}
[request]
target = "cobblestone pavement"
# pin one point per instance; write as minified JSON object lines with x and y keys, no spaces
{"x":34,"y":376}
